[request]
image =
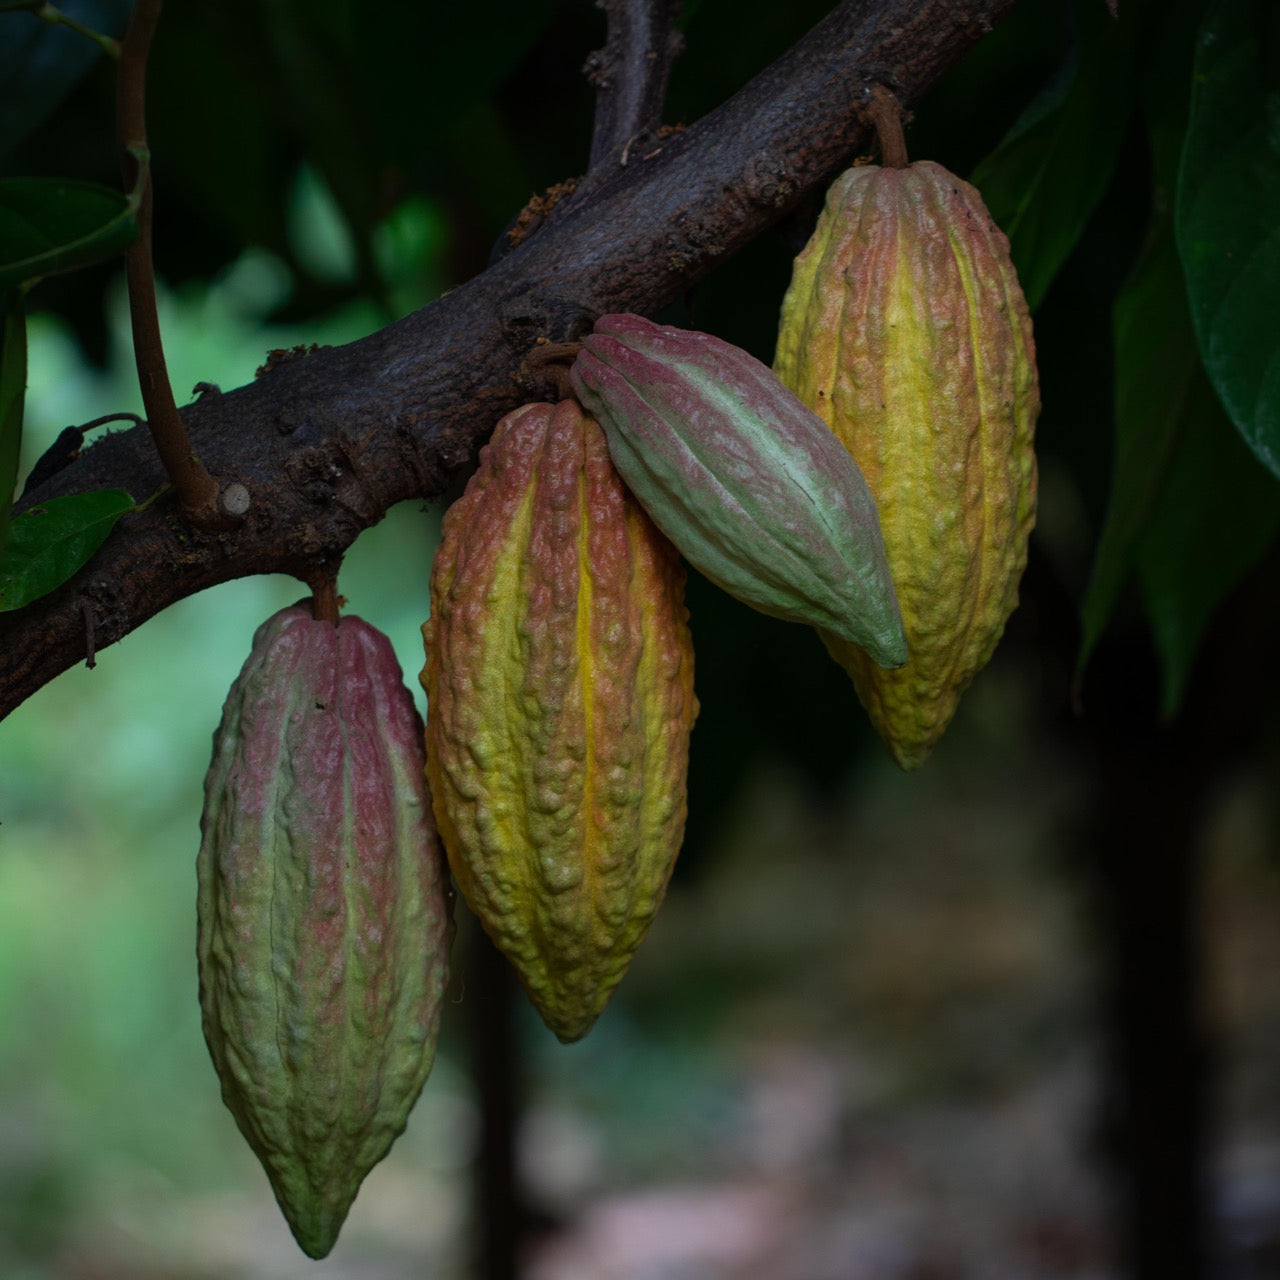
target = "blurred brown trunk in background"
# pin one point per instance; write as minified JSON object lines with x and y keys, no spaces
{"x":499,"y":1213}
{"x":1147,"y":810}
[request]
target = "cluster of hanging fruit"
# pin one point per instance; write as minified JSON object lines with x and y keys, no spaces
{"x":877,"y":485}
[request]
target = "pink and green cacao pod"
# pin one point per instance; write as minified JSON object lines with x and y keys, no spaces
{"x":905,"y":329}
{"x":324,"y":914}
{"x":559,"y":681}
{"x":743,"y":478}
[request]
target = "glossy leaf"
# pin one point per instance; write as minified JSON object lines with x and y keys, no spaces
{"x":1228,"y":215}
{"x":48,"y":543}
{"x":52,"y":224}
{"x":1048,"y":174}
{"x":13,"y":387}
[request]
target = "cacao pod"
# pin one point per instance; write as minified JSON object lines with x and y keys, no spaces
{"x":559,"y":681}
{"x":905,"y":329}
{"x":324,"y":916}
{"x":743,"y":478}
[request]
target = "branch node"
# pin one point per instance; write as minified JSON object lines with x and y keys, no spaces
{"x":234,"y":500}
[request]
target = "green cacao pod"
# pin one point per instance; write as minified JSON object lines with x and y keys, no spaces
{"x":559,"y":681}
{"x":905,"y":329}
{"x":742,"y":477}
{"x":324,"y":915}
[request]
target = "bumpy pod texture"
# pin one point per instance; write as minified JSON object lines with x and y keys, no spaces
{"x":906,"y":330}
{"x":742,"y":477}
{"x":559,"y":680}
{"x":324,"y":920}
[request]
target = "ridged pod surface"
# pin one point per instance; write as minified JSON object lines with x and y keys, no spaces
{"x":905,"y":329}
{"x":324,"y":917}
{"x":742,"y":477}
{"x":559,"y":681}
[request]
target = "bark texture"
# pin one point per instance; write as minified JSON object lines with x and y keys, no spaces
{"x":325,"y":443}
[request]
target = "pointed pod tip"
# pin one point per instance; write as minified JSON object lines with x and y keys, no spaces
{"x":886,"y":647}
{"x":570,"y":1021}
{"x":909,"y":761}
{"x":315,"y":1240}
{"x":316,"y":1220}
{"x":890,"y":650}
{"x":571,"y":1035}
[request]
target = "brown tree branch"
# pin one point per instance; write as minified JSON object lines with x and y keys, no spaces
{"x":630,"y":74}
{"x":327,"y":442}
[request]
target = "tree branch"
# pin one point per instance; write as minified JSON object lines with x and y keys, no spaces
{"x":328,"y":441}
{"x":630,"y":74}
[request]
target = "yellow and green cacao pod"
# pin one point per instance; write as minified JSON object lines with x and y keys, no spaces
{"x":742,"y":477}
{"x":559,"y":681}
{"x":905,"y":329}
{"x":324,"y":914}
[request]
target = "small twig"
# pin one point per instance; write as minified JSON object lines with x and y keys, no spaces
{"x":90,"y":654}
{"x":122,"y":416}
{"x":630,"y":73}
{"x":54,"y":16}
{"x":886,"y":118}
{"x":197,"y":490}
{"x":66,"y":449}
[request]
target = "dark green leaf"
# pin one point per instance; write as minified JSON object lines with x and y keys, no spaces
{"x":1189,"y":509}
{"x":1228,"y":215}
{"x":1217,"y":513}
{"x":39,"y":63}
{"x":13,"y":387}
{"x":1155,"y":367}
{"x":1049,"y":173}
{"x":48,"y":543}
{"x":52,"y":224}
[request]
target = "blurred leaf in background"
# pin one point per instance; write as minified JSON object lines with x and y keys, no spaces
{"x":1188,"y":508}
{"x":1050,"y":171}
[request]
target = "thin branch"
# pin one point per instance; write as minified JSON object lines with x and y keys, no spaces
{"x":55,"y":17}
{"x":196,"y":489}
{"x":630,"y":74}
{"x":327,"y":441}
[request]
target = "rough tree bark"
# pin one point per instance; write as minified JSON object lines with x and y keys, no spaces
{"x":327,"y":442}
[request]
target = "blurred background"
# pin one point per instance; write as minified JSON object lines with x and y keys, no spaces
{"x":1014,"y":1016}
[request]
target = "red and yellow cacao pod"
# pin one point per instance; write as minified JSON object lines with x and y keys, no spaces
{"x":905,"y":329}
{"x":559,"y":681}
{"x":324,"y":914}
